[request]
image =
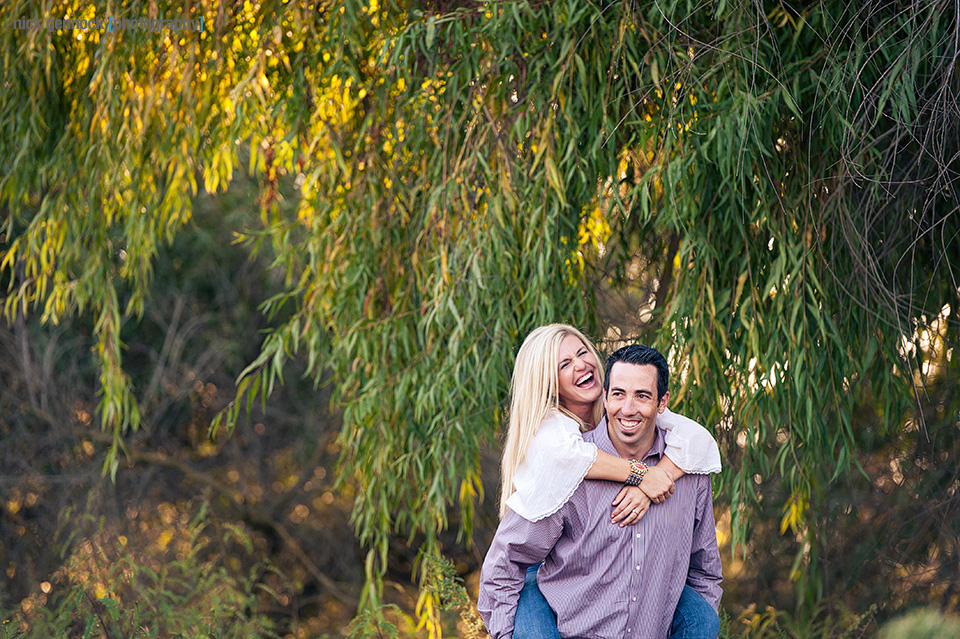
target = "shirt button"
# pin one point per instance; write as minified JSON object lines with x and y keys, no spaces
{"x":634,"y":598}
{"x":638,"y":567}
{"x":638,"y":535}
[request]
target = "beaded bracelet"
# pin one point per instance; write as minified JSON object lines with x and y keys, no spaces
{"x":637,"y":471}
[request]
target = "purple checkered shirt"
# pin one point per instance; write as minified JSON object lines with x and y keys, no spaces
{"x":603,"y":581}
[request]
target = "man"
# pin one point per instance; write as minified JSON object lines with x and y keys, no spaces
{"x":601,"y":580}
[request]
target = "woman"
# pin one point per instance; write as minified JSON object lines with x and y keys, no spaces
{"x":556,"y":394}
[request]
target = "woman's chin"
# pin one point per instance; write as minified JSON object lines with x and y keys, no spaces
{"x":589,"y":394}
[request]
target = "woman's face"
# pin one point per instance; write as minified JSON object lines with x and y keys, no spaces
{"x":579,"y":375}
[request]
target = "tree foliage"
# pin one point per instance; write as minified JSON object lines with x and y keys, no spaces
{"x":778,"y":180}
{"x":112,"y":593}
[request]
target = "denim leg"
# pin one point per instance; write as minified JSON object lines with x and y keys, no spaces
{"x":694,"y":617}
{"x":534,"y":619}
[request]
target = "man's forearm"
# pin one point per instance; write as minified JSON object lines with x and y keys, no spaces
{"x":706,"y":572}
{"x":500,"y":585}
{"x":707,"y":585}
{"x":517,"y":545}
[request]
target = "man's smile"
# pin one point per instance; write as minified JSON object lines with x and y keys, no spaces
{"x":629,"y":425}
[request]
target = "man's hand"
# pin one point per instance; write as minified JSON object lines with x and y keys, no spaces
{"x":657,"y":485}
{"x":629,"y":505}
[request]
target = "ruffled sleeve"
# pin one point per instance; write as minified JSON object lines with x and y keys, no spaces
{"x":557,"y":461}
{"x":689,"y":445}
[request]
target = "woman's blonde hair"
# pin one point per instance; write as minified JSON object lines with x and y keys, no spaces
{"x":534,"y":393}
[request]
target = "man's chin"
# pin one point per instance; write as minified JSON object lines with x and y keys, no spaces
{"x":631,"y":437}
{"x":628,"y":439}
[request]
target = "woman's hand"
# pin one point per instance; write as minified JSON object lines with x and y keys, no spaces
{"x":629,"y":506}
{"x":657,"y":485}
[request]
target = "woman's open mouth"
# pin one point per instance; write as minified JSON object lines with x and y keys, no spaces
{"x":586,"y":381}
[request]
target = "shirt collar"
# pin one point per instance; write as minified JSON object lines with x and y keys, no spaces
{"x":602,"y":440}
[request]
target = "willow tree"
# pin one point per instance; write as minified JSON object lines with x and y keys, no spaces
{"x":778,"y":181}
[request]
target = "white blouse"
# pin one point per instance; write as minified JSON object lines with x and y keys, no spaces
{"x":558,"y":459}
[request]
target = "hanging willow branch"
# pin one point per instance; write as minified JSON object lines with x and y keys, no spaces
{"x":779,"y":181}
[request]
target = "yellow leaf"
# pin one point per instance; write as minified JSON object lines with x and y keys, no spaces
{"x":164,"y":539}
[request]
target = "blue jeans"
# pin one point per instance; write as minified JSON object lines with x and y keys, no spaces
{"x":535,"y":618}
{"x":694,"y":618}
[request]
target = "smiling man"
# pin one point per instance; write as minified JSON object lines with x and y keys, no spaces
{"x":633,"y":398}
{"x":605,"y":581}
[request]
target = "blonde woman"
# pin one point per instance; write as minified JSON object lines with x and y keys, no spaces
{"x":556,"y":394}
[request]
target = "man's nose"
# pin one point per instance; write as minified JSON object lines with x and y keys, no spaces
{"x":631,"y":406}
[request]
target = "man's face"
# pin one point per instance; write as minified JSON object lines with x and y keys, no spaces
{"x":632,"y":407}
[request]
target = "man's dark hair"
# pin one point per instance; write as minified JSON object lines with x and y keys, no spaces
{"x":639,"y":354}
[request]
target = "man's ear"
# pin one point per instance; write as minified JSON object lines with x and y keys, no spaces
{"x":663,"y":402}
